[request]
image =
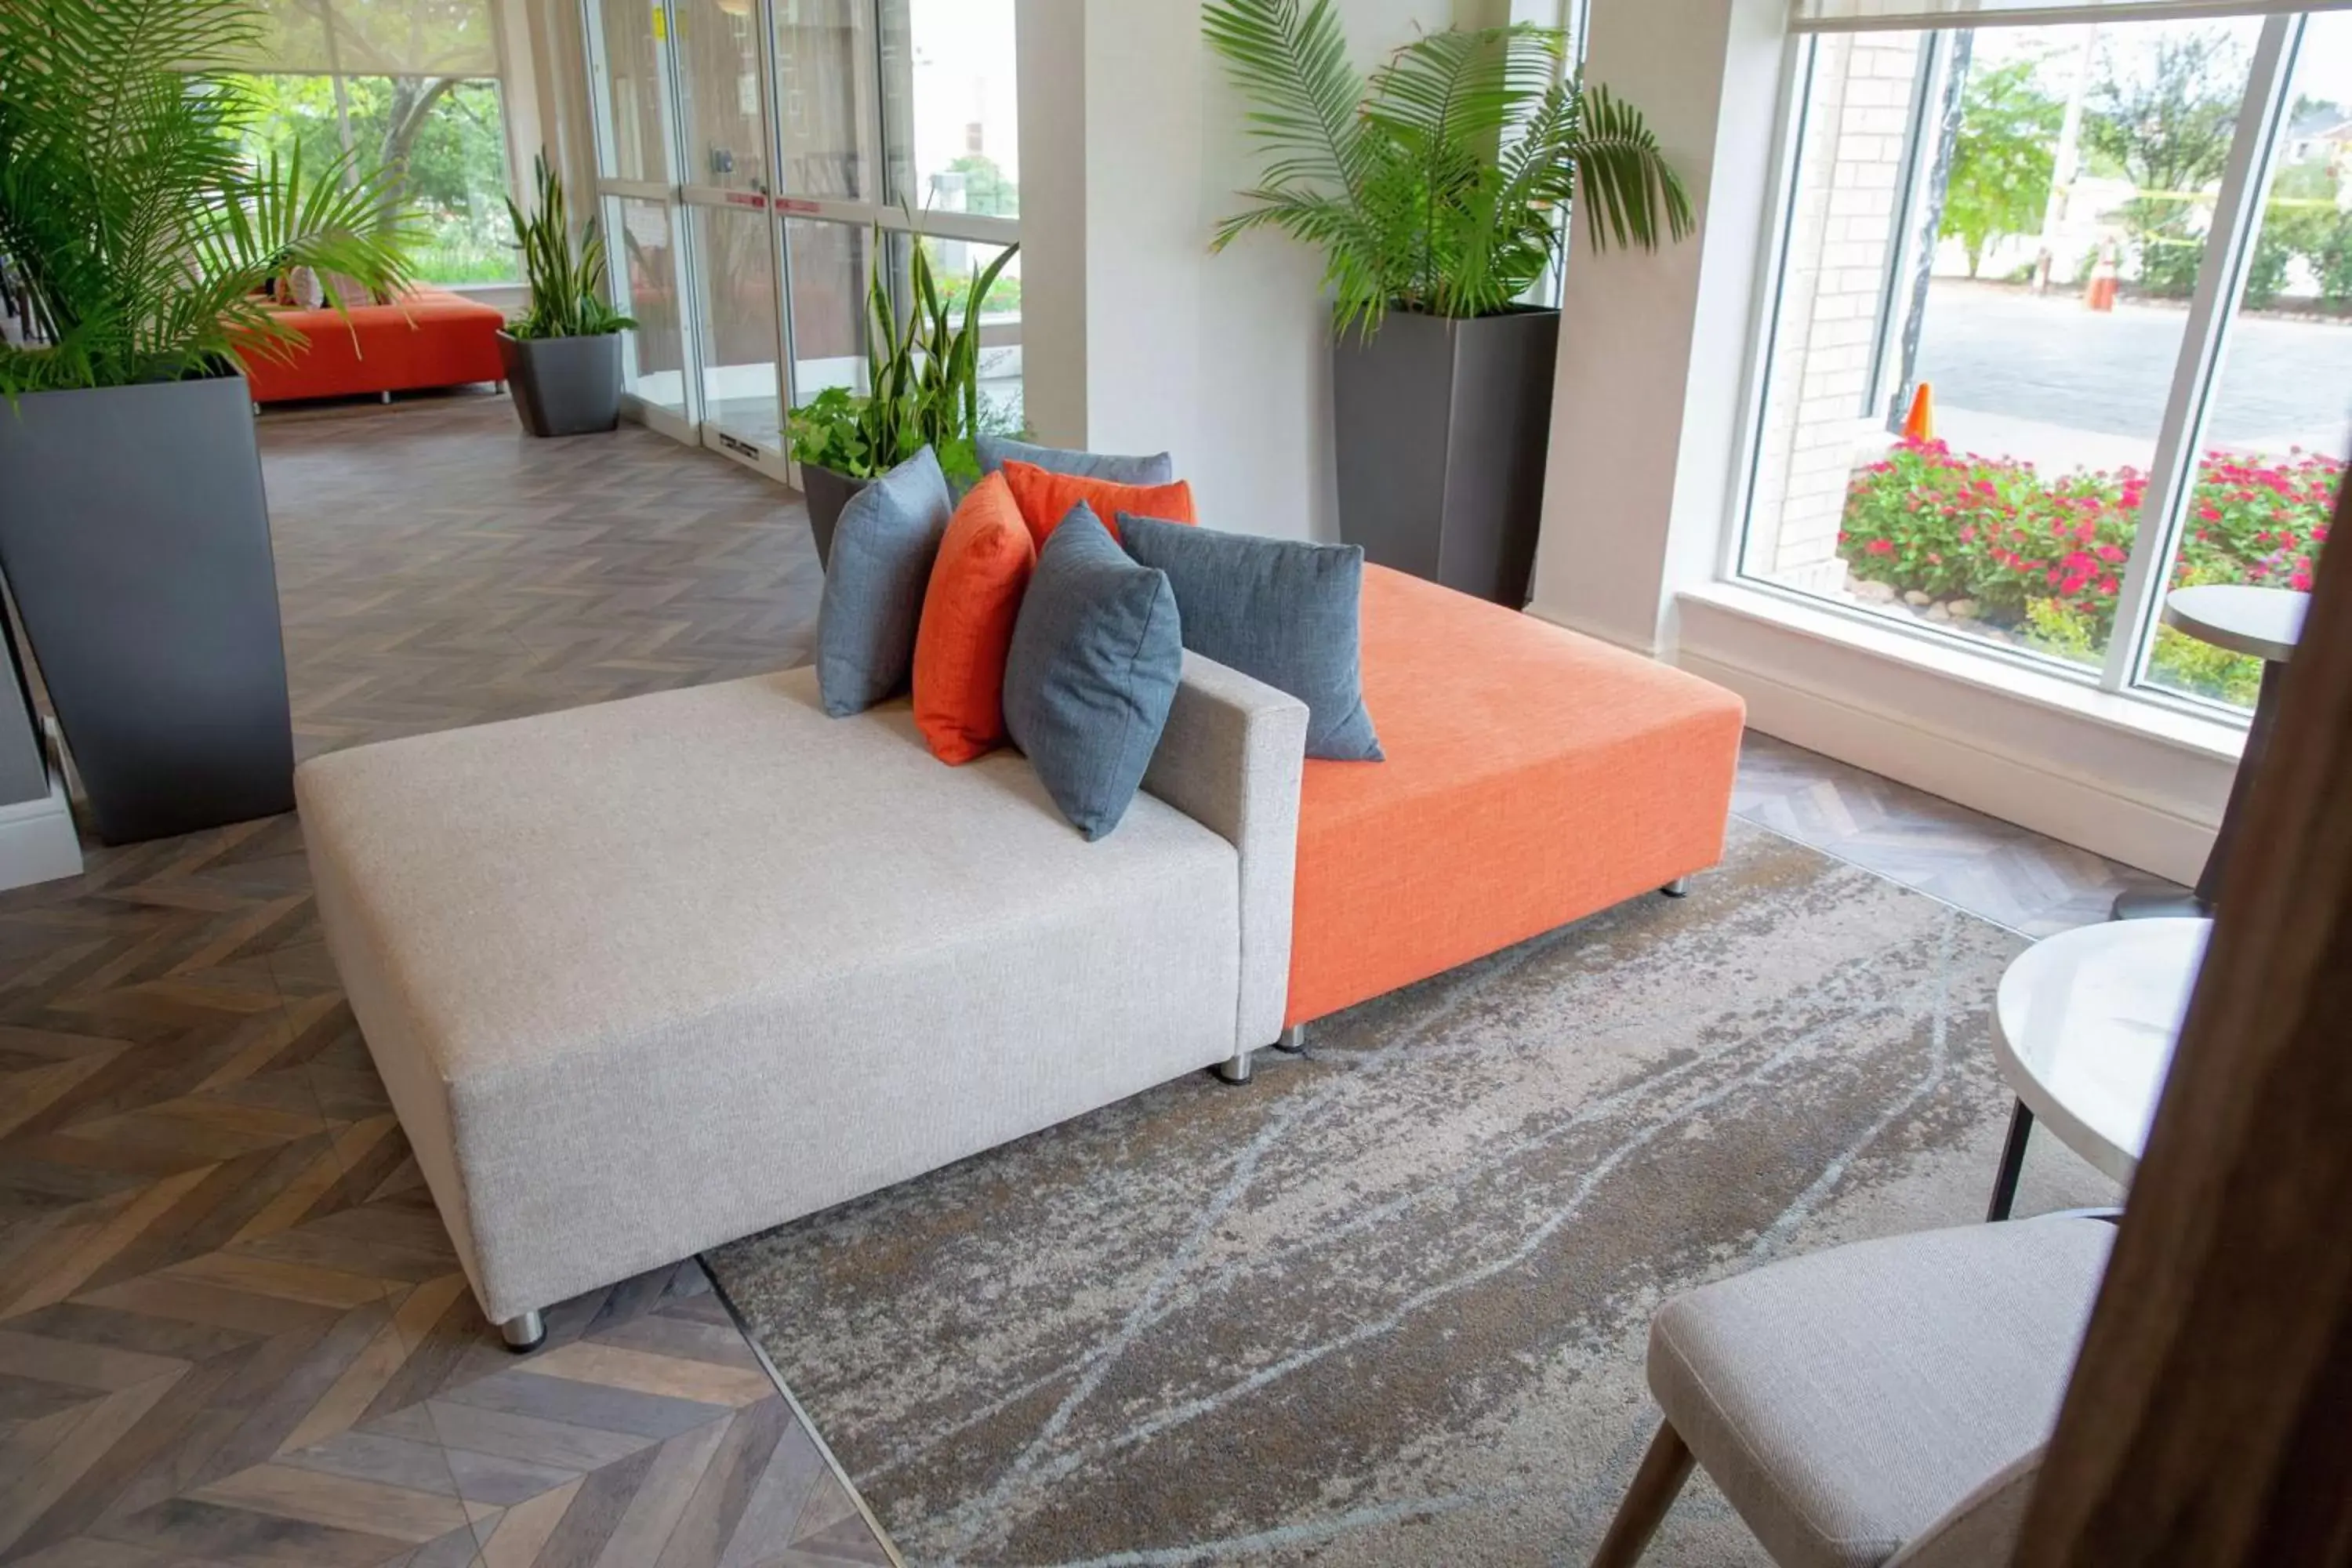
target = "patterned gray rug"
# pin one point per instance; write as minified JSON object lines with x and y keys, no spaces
{"x":1387,"y":1304}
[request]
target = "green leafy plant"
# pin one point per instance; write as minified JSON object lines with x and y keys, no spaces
{"x":922,"y":375}
{"x":2001,"y":163}
{"x":1438,"y":184}
{"x":137,"y":226}
{"x":567,"y":283}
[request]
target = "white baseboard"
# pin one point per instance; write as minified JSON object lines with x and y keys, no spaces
{"x":2072,"y":810}
{"x":2136,"y":784}
{"x":37,"y":840}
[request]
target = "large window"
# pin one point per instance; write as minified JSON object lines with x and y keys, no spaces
{"x":2060,"y":324}
{"x":406,"y":87}
{"x":443,"y":138}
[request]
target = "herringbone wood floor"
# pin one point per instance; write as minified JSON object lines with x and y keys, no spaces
{"x":232,"y":1329}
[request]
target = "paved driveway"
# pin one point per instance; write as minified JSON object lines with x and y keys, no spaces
{"x":2050,"y":362}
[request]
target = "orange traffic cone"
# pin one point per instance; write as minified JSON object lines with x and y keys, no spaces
{"x":2100,"y":294}
{"x":1919,"y":425}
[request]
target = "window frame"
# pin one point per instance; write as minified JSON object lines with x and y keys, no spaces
{"x":2231,"y":240}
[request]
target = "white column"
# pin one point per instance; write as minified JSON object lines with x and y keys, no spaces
{"x":1650,"y":392}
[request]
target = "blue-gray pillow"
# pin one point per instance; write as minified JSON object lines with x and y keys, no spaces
{"x":1092,"y":671}
{"x":995,"y":451}
{"x":1279,"y":610}
{"x":874,"y":581}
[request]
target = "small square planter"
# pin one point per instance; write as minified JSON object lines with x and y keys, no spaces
{"x":826,"y":492}
{"x":564,"y":386}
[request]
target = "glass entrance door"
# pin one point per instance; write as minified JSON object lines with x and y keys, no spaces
{"x":750,"y":155}
{"x":639,"y":207}
{"x":728,"y":177}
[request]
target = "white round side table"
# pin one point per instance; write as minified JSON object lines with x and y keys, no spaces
{"x":2084,"y":1030}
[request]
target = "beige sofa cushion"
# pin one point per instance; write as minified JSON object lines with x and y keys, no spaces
{"x":649,"y":975}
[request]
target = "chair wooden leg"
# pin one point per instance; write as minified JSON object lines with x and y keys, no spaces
{"x":1656,"y":1486}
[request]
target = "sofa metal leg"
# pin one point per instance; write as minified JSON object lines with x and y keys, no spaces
{"x":524,"y":1333}
{"x":1236,"y":1070}
{"x":385,"y":397}
{"x":1292,"y":1040}
{"x":1677,"y":889}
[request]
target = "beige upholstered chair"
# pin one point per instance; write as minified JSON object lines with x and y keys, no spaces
{"x":1886,"y":1401}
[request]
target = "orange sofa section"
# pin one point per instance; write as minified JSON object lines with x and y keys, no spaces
{"x":428,"y":338}
{"x":1533,"y":777}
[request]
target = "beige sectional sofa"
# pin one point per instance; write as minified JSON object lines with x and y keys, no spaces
{"x":651,"y":975}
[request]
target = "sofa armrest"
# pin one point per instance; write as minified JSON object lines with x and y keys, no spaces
{"x":1231,"y":759}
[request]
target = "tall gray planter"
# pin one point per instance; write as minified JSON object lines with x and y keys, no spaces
{"x":1442,"y":429}
{"x":135,"y":536}
{"x":564,"y":386}
{"x":827,"y":493}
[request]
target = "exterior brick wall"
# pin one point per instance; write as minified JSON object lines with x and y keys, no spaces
{"x":1842,"y":231}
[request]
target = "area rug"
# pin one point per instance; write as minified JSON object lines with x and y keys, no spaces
{"x":1387,"y":1304}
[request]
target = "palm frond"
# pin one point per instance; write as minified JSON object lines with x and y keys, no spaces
{"x":1463,"y":153}
{"x":1624,"y":182}
{"x":129,"y":208}
{"x":1292,"y":61}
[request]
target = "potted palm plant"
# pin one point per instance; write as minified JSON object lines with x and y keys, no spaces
{"x":562,"y":356}
{"x":134,"y":531}
{"x":922,"y":376}
{"x":1438,"y":190}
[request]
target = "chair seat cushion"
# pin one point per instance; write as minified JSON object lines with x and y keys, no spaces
{"x":1845,"y":1400}
{"x":1532,"y":777}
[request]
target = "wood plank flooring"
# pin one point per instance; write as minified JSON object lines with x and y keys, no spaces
{"x":232,"y":1329}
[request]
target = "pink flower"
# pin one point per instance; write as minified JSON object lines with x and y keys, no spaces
{"x":1878,"y":547}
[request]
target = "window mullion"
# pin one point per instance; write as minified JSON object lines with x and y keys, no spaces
{"x":2237,"y":214}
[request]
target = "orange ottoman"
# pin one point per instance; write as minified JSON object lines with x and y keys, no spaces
{"x":428,"y":338}
{"x":1533,"y":777}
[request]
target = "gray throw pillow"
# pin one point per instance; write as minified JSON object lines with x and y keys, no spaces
{"x":1092,"y":671}
{"x":995,"y":451}
{"x":874,"y":581}
{"x":1282,"y":611}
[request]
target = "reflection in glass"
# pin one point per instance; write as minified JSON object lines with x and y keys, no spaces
{"x":951,"y":105}
{"x":726,"y":138}
{"x":2069,"y":205}
{"x":644,"y":260}
{"x":740,"y":394}
{"x":2275,"y":430}
{"x":824,"y":53}
{"x":636,"y":84}
{"x":828,"y":278}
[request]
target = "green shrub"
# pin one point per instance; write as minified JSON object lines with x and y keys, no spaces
{"x":2044,"y":558}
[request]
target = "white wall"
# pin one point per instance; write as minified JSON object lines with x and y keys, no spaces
{"x":1135,"y":338}
{"x":1650,"y":391}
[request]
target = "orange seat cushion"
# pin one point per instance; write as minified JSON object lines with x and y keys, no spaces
{"x":1533,"y":777}
{"x":983,"y":569}
{"x":428,"y":338}
{"x":1046,"y":497}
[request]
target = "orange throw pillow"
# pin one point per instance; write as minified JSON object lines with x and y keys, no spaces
{"x":1046,"y":497}
{"x":983,"y":569}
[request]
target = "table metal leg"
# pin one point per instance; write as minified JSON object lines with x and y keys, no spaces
{"x":2208,"y":892}
{"x":2013,"y":1161}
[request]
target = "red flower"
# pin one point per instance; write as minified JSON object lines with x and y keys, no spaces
{"x":1879,"y":547}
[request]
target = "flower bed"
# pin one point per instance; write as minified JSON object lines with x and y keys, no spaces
{"x":2042,"y":560}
